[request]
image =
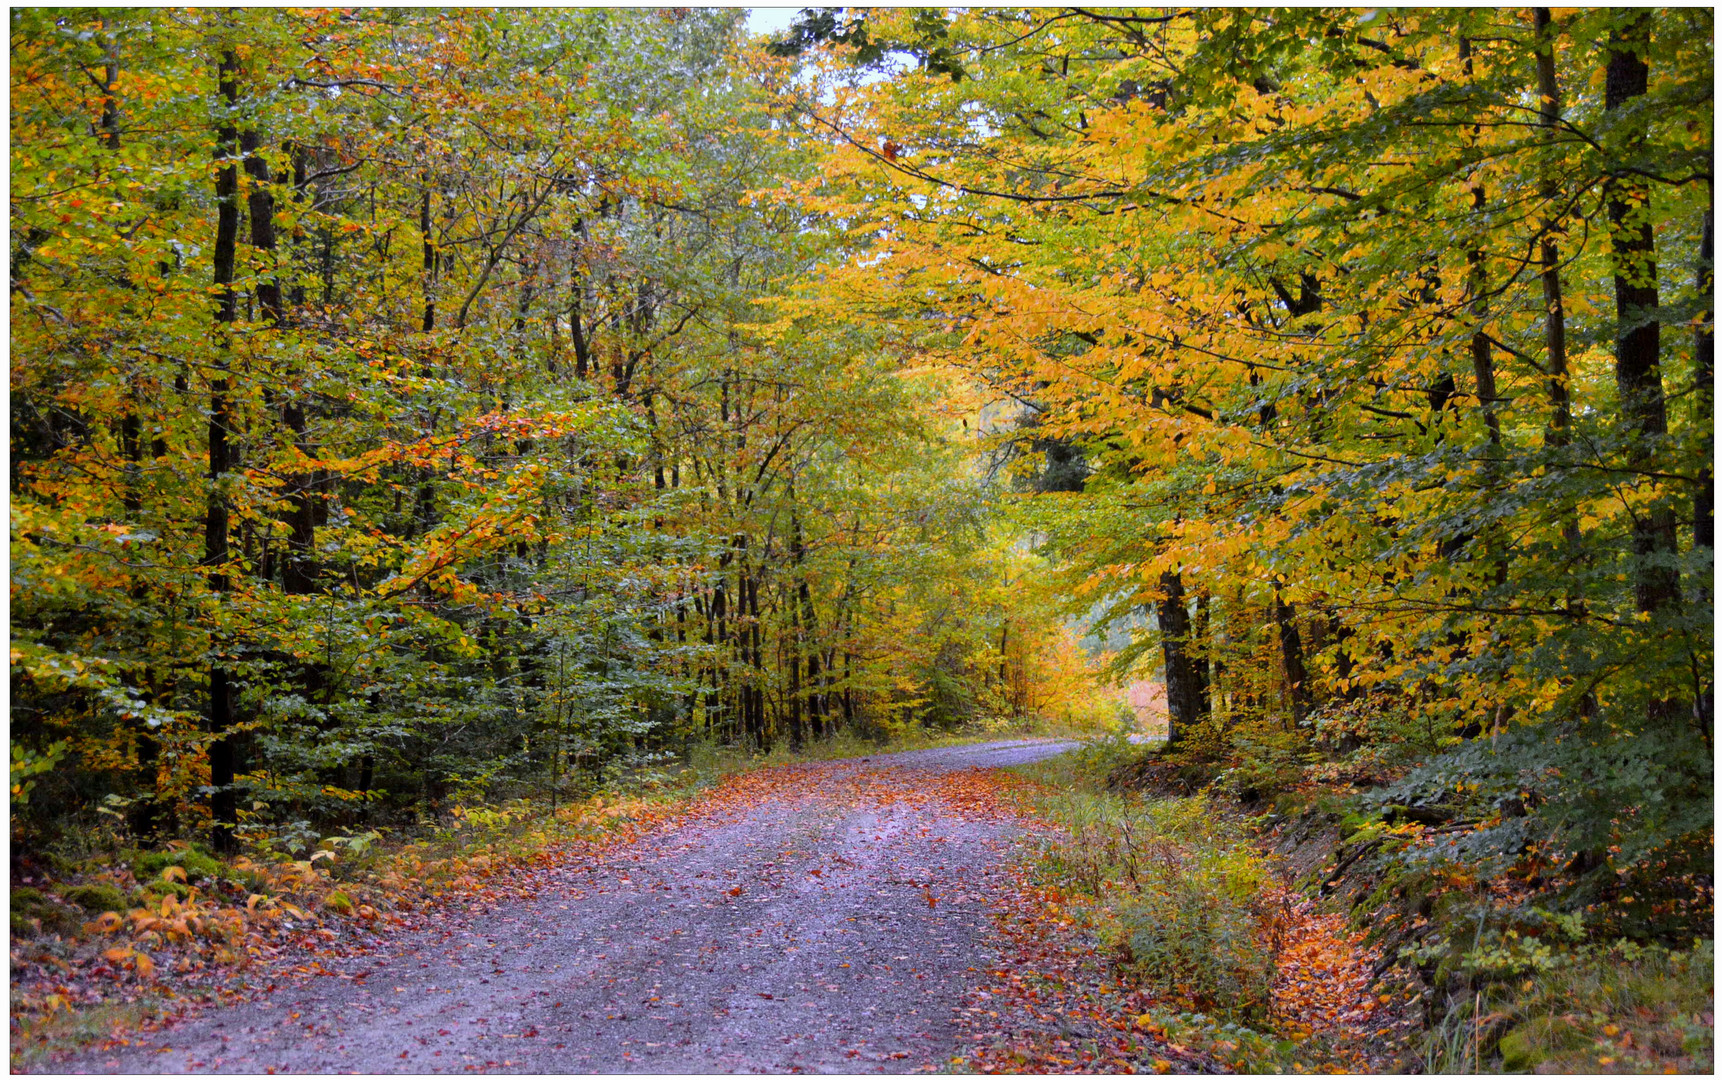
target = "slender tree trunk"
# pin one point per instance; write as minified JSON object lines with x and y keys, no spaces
{"x":428,"y":281}
{"x":1638,"y":341}
{"x":1343,"y":662}
{"x":1704,"y":381}
{"x":1703,"y":519}
{"x":798,"y":643}
{"x":580,"y":300}
{"x":145,"y":813}
{"x":1555,"y":324}
{"x":1554,"y":305}
{"x":224,"y":802}
{"x":1291,"y":653}
{"x":1482,"y":357}
{"x":718,"y":638}
{"x":755,"y":637}
{"x":1200,"y":653}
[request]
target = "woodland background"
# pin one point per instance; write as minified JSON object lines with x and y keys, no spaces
{"x":414,"y":410}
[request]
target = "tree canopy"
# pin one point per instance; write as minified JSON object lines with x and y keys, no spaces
{"x":415,"y":404}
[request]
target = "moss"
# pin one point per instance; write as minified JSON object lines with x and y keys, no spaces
{"x":1543,"y":1039}
{"x":196,"y":863}
{"x":32,"y":912}
{"x":150,"y":895}
{"x":95,"y":899}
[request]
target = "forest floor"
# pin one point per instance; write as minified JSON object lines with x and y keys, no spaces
{"x":822,"y":917}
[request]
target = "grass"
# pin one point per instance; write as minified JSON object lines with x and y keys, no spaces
{"x":1618,"y":1008}
{"x":1178,"y":893}
{"x":35,"y":1036}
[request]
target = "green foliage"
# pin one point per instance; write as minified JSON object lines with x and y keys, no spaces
{"x":1573,"y":777}
{"x":1243,"y":1048}
{"x":1182,"y":897}
{"x":1609,"y":1008}
{"x":1265,"y":760}
{"x":1194,"y":926}
{"x":27,"y":765}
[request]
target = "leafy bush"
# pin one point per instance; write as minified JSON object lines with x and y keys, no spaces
{"x":1195,"y":930}
{"x":1182,"y":897}
{"x":1265,"y":760}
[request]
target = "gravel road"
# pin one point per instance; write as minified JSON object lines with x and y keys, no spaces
{"x":830,"y":926}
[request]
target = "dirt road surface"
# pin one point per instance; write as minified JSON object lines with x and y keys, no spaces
{"x":832,"y":924}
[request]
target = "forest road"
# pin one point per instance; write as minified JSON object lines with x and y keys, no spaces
{"x":828,"y":921}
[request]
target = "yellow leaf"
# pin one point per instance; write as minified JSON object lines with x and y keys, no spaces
{"x":106,"y":923}
{"x":146,"y":966}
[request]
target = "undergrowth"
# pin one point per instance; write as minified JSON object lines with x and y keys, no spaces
{"x":1182,"y":894}
{"x":1178,"y":894}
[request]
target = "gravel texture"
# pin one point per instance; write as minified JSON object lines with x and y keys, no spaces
{"x":833,"y":925}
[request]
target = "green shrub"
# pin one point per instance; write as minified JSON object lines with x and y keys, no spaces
{"x":1265,"y":760}
{"x":95,"y":899}
{"x":1195,"y":928}
{"x":1182,"y":896}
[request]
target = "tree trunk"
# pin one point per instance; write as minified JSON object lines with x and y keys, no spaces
{"x":1200,"y":654}
{"x":144,"y":816}
{"x":428,"y":281}
{"x":1703,"y":519}
{"x":1291,"y":653}
{"x":1183,"y":692}
{"x":1555,"y":321}
{"x":1638,"y":340}
{"x":1704,"y":381}
{"x":224,"y":802}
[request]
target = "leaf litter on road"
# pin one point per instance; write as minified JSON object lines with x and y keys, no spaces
{"x":834,"y":859}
